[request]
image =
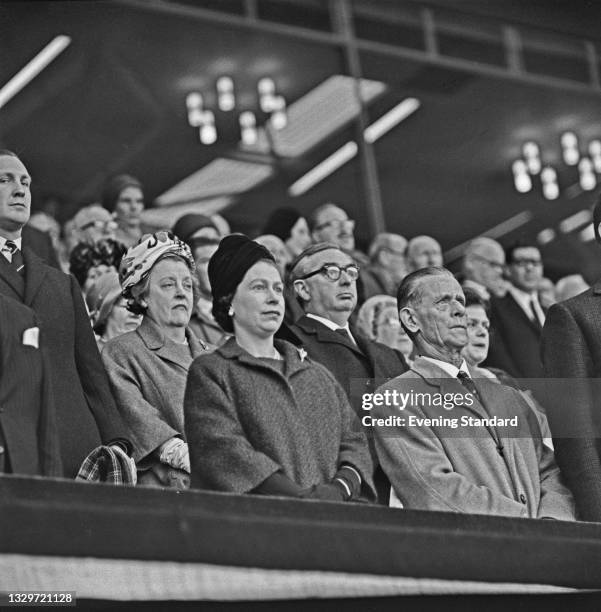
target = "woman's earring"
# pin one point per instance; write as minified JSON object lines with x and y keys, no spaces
{"x":230,"y":312}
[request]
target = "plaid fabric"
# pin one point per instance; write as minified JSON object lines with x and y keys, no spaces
{"x":107,"y":464}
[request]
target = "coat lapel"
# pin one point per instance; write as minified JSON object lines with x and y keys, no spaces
{"x":35,"y":273}
{"x":11,"y":278}
{"x":326,"y":335}
{"x":155,"y":340}
{"x":517,"y":311}
{"x":437,"y":377}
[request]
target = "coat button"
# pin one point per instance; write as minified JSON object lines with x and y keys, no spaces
{"x":1,"y":450}
{"x":522,"y":498}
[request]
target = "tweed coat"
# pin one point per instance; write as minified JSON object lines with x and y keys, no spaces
{"x":148,"y":379}
{"x":571,"y":348}
{"x":514,"y":339}
{"x":355,"y":367}
{"x":28,"y":430}
{"x":85,"y":409}
{"x":435,"y":467}
{"x":246,"y":420}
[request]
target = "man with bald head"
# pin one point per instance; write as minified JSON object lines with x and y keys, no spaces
{"x":423,"y":251}
{"x":387,"y":266}
{"x":324,"y":279}
{"x":483,"y":264}
{"x":461,"y":445}
{"x":330,"y":223}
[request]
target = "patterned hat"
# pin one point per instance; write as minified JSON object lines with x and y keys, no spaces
{"x":140,"y":258}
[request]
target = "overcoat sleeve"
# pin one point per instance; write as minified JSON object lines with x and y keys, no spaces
{"x":221,"y":457}
{"x":93,"y":376}
{"x":354,"y":449}
{"x":145,"y":421}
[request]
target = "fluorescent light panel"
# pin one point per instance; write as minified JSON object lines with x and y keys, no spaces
{"x":569,"y":224}
{"x":324,"y":169}
{"x":33,"y":68}
{"x":372,"y":133}
{"x":391,"y":119}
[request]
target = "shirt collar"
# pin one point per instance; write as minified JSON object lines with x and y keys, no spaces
{"x":449,"y":368}
{"x":331,"y":325}
{"x":17,"y":241}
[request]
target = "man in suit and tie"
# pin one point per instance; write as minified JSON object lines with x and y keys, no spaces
{"x":517,"y":318}
{"x":571,"y":349}
{"x":324,"y":278}
{"x":85,"y":409}
{"x":458,"y":444}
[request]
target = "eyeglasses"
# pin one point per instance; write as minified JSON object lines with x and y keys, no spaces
{"x":333,"y":272}
{"x":99,"y":225}
{"x":337,"y":224}
{"x":489,"y":262}
{"x":524,"y":263}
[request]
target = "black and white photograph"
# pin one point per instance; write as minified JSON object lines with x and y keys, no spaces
{"x":300,"y":305}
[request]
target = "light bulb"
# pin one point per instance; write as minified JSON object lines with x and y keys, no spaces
{"x":266,"y":87}
{"x":194,"y":100}
{"x":550,"y":191}
{"x":208,"y":134}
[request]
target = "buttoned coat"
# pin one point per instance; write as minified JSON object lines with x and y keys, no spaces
{"x":85,"y":410}
{"x":148,"y":379}
{"x":436,"y":467}
{"x":28,"y":430}
{"x":571,"y":349}
{"x":246,"y":420}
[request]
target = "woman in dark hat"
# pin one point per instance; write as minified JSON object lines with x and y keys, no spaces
{"x":291,"y":228}
{"x":124,"y":197}
{"x":261,"y":417}
{"x":147,"y":367}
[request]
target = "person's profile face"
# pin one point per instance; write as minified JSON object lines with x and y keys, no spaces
{"x":15,"y":194}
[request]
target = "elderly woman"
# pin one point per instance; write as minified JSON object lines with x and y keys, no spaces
{"x":147,"y":367}
{"x":260,"y":416}
{"x":108,"y":310}
{"x":378,"y":319}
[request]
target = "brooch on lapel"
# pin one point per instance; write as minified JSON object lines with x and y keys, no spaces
{"x":302,"y":353}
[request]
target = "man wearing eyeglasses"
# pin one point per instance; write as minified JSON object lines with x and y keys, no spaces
{"x":482,"y":267}
{"x":324,"y":279}
{"x":517,"y":318}
{"x":330,"y":223}
{"x":93,"y":223}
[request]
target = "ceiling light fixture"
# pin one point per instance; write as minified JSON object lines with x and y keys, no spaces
{"x":33,"y":68}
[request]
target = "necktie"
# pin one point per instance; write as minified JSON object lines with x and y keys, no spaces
{"x":342,"y":332}
{"x":468,"y":383}
{"x":536,"y":315}
{"x":16,"y":257}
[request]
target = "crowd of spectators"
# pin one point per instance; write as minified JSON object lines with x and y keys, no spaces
{"x":196,"y":357}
